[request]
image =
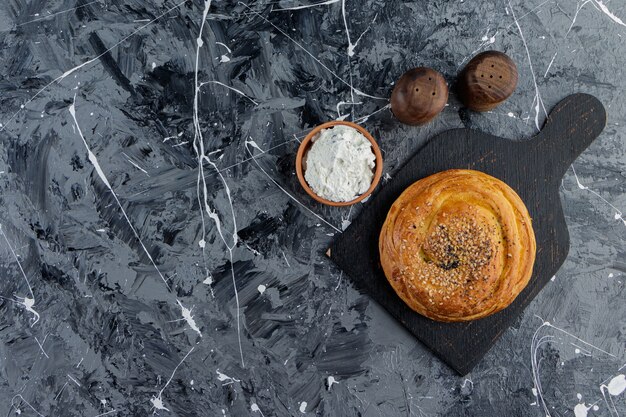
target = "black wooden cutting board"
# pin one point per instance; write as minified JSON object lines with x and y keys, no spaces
{"x":533,"y":167}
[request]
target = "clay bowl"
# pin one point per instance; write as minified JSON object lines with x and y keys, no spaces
{"x":306,"y":145}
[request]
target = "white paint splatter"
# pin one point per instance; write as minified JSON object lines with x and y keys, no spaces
{"x":618,"y":213}
{"x":581,"y":410}
{"x":341,"y":116}
{"x":230,"y":88}
{"x":352,"y":46}
{"x":224,"y":57}
{"x":157,"y":401}
{"x":535,"y":345}
{"x":106,"y":414}
{"x":331,"y":380}
{"x":254,"y":145}
{"x":223,"y":377}
{"x":43,"y":342}
{"x":303,"y":405}
{"x":173,"y":137}
{"x":261,"y":288}
{"x":97,"y":58}
{"x":285,"y":258}
{"x":26,"y":302}
{"x":607,"y":12}
{"x":135,"y":164}
{"x":189,"y":318}
{"x":225,"y":46}
{"x":537,"y":102}
{"x":25,"y":402}
{"x":617,"y":385}
{"x":96,"y":164}
{"x":198,"y":146}
{"x":47,"y":16}
{"x":306,"y":6}
{"x":255,"y":409}
{"x":550,"y":65}
{"x":365,"y":118}
{"x":73,"y":380}
{"x":578,"y":9}
{"x":466,"y":381}
{"x":355,"y":90}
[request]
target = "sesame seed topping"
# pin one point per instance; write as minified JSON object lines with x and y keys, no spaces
{"x":454,"y":255}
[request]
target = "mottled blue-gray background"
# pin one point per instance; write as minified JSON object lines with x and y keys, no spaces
{"x":158,"y":256}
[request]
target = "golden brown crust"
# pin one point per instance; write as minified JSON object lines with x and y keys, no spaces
{"x":458,"y":246}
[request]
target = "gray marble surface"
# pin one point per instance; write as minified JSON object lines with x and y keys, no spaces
{"x":158,"y":257}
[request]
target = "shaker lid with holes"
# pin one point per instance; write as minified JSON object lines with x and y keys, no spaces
{"x":487,"y":80}
{"x":419,"y":95}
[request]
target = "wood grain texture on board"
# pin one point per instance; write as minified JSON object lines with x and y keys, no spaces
{"x":533,"y":167}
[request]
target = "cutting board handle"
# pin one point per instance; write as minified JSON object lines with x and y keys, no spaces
{"x":569,"y":129}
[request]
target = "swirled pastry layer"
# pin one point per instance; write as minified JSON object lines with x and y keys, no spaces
{"x":458,"y":246}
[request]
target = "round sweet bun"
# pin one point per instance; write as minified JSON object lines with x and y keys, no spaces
{"x":458,"y":246}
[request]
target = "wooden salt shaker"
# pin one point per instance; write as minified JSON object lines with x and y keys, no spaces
{"x":419,"y":95}
{"x":487,"y":80}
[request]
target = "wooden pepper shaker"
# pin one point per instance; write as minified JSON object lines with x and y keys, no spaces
{"x":487,"y":80}
{"x":419,"y":95}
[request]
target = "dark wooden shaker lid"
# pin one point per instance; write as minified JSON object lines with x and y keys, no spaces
{"x":487,"y":80}
{"x":419,"y":95}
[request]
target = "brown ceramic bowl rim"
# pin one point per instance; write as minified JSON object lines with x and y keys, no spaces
{"x":306,"y":143}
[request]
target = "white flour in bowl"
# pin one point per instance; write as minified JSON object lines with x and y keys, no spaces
{"x":340,"y":164}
